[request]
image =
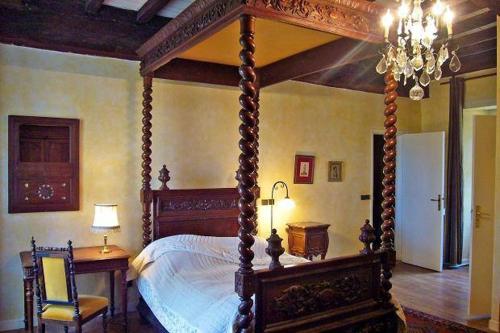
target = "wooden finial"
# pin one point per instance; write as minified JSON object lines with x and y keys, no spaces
{"x":367,"y":237}
{"x":274,"y":249}
{"x":164,"y":178}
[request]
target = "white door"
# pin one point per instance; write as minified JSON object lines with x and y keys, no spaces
{"x":420,"y":172}
{"x":483,"y":184}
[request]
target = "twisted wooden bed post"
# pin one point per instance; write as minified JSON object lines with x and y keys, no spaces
{"x":146,"y":192}
{"x":388,"y":182}
{"x":246,"y":175}
{"x":256,"y":129}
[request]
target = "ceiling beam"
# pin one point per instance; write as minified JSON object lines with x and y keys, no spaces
{"x":93,"y":6}
{"x":62,"y":25}
{"x":473,"y":22}
{"x":493,"y":5}
{"x":475,"y":37}
{"x":351,"y":78}
{"x":334,"y":54}
{"x":480,"y":47}
{"x":150,"y":9}
{"x":198,"y":71}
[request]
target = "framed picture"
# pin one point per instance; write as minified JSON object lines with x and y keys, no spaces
{"x":304,"y":169}
{"x":335,"y":171}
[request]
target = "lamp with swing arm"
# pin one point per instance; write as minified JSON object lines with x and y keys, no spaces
{"x":274,"y":248}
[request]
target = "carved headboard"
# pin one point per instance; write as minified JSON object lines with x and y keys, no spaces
{"x":208,"y":212}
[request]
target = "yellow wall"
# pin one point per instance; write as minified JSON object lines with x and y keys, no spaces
{"x":478,"y":93}
{"x":494,"y":323}
{"x":195,"y":134}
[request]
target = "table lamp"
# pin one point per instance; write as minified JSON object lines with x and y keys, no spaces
{"x":105,"y":220}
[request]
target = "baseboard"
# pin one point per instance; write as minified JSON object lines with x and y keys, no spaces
{"x":479,"y":317}
{"x":493,"y":325}
{"x":15,"y":324}
{"x":12,"y":324}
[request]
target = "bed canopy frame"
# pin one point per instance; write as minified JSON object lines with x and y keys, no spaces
{"x":348,"y":294}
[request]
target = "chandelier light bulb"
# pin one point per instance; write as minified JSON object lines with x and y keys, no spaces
{"x":387,"y":20}
{"x":417,"y":12}
{"x":448,"y":19}
{"x":403,"y":10}
{"x":437,"y":9}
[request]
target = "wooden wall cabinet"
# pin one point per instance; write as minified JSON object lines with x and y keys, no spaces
{"x":43,"y":164}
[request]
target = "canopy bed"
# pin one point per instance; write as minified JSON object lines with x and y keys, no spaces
{"x":347,"y":294}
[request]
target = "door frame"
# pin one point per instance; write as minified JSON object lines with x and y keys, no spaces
{"x":472,"y":223}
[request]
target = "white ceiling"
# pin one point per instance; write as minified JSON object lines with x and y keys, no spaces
{"x":172,"y":9}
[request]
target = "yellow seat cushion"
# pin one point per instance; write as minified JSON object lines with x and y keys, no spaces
{"x":88,"y":306}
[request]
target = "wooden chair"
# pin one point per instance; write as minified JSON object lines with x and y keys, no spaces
{"x":57,"y":300}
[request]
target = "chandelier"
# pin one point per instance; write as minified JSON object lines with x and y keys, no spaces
{"x":415,"y":55}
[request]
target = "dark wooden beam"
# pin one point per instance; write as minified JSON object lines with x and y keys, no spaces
{"x":201,"y":72}
{"x":474,"y":22}
{"x":481,"y":47}
{"x":334,"y":54}
{"x":373,"y":83}
{"x":476,"y":37}
{"x":150,"y":9}
{"x":93,"y":6}
{"x":63,"y":25}
{"x":493,"y":5}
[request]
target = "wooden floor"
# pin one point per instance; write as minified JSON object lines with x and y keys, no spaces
{"x":440,"y":294}
{"x":443,"y":294}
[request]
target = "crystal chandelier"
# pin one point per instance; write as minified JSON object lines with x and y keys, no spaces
{"x":415,"y":56}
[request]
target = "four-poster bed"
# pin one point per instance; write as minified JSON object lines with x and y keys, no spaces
{"x":348,"y":294}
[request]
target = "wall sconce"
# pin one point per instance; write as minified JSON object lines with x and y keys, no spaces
{"x":274,"y":248}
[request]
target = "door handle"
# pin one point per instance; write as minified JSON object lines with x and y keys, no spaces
{"x":480,"y":215}
{"x":438,"y":200}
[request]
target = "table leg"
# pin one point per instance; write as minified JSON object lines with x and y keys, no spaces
{"x":124,"y":297}
{"x":112,"y":292}
{"x":28,"y":304}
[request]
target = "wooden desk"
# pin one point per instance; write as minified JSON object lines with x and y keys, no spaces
{"x":308,"y":239}
{"x":87,"y":260}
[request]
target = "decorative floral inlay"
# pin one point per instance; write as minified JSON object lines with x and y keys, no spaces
{"x":322,"y":12}
{"x":203,"y":204}
{"x":45,"y":191}
{"x":300,"y":300}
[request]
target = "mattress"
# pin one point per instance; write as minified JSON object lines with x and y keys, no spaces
{"x":188,"y":280}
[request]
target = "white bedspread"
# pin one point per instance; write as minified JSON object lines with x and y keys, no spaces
{"x":188,"y":281}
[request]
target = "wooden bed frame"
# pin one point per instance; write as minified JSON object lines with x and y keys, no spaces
{"x":349,"y":294}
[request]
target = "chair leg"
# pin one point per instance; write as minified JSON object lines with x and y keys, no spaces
{"x":78,"y":328}
{"x":104,"y":322}
{"x":65,"y":329}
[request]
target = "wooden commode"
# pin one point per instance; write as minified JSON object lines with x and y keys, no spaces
{"x":308,"y":239}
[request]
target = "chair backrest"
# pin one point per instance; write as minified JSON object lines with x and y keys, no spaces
{"x":55,"y":276}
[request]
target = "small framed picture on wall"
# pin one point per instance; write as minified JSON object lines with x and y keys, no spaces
{"x":304,"y":169}
{"x":335,"y":171}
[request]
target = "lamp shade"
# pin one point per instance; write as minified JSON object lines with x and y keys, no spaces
{"x":105,"y":217}
{"x":287,"y":203}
